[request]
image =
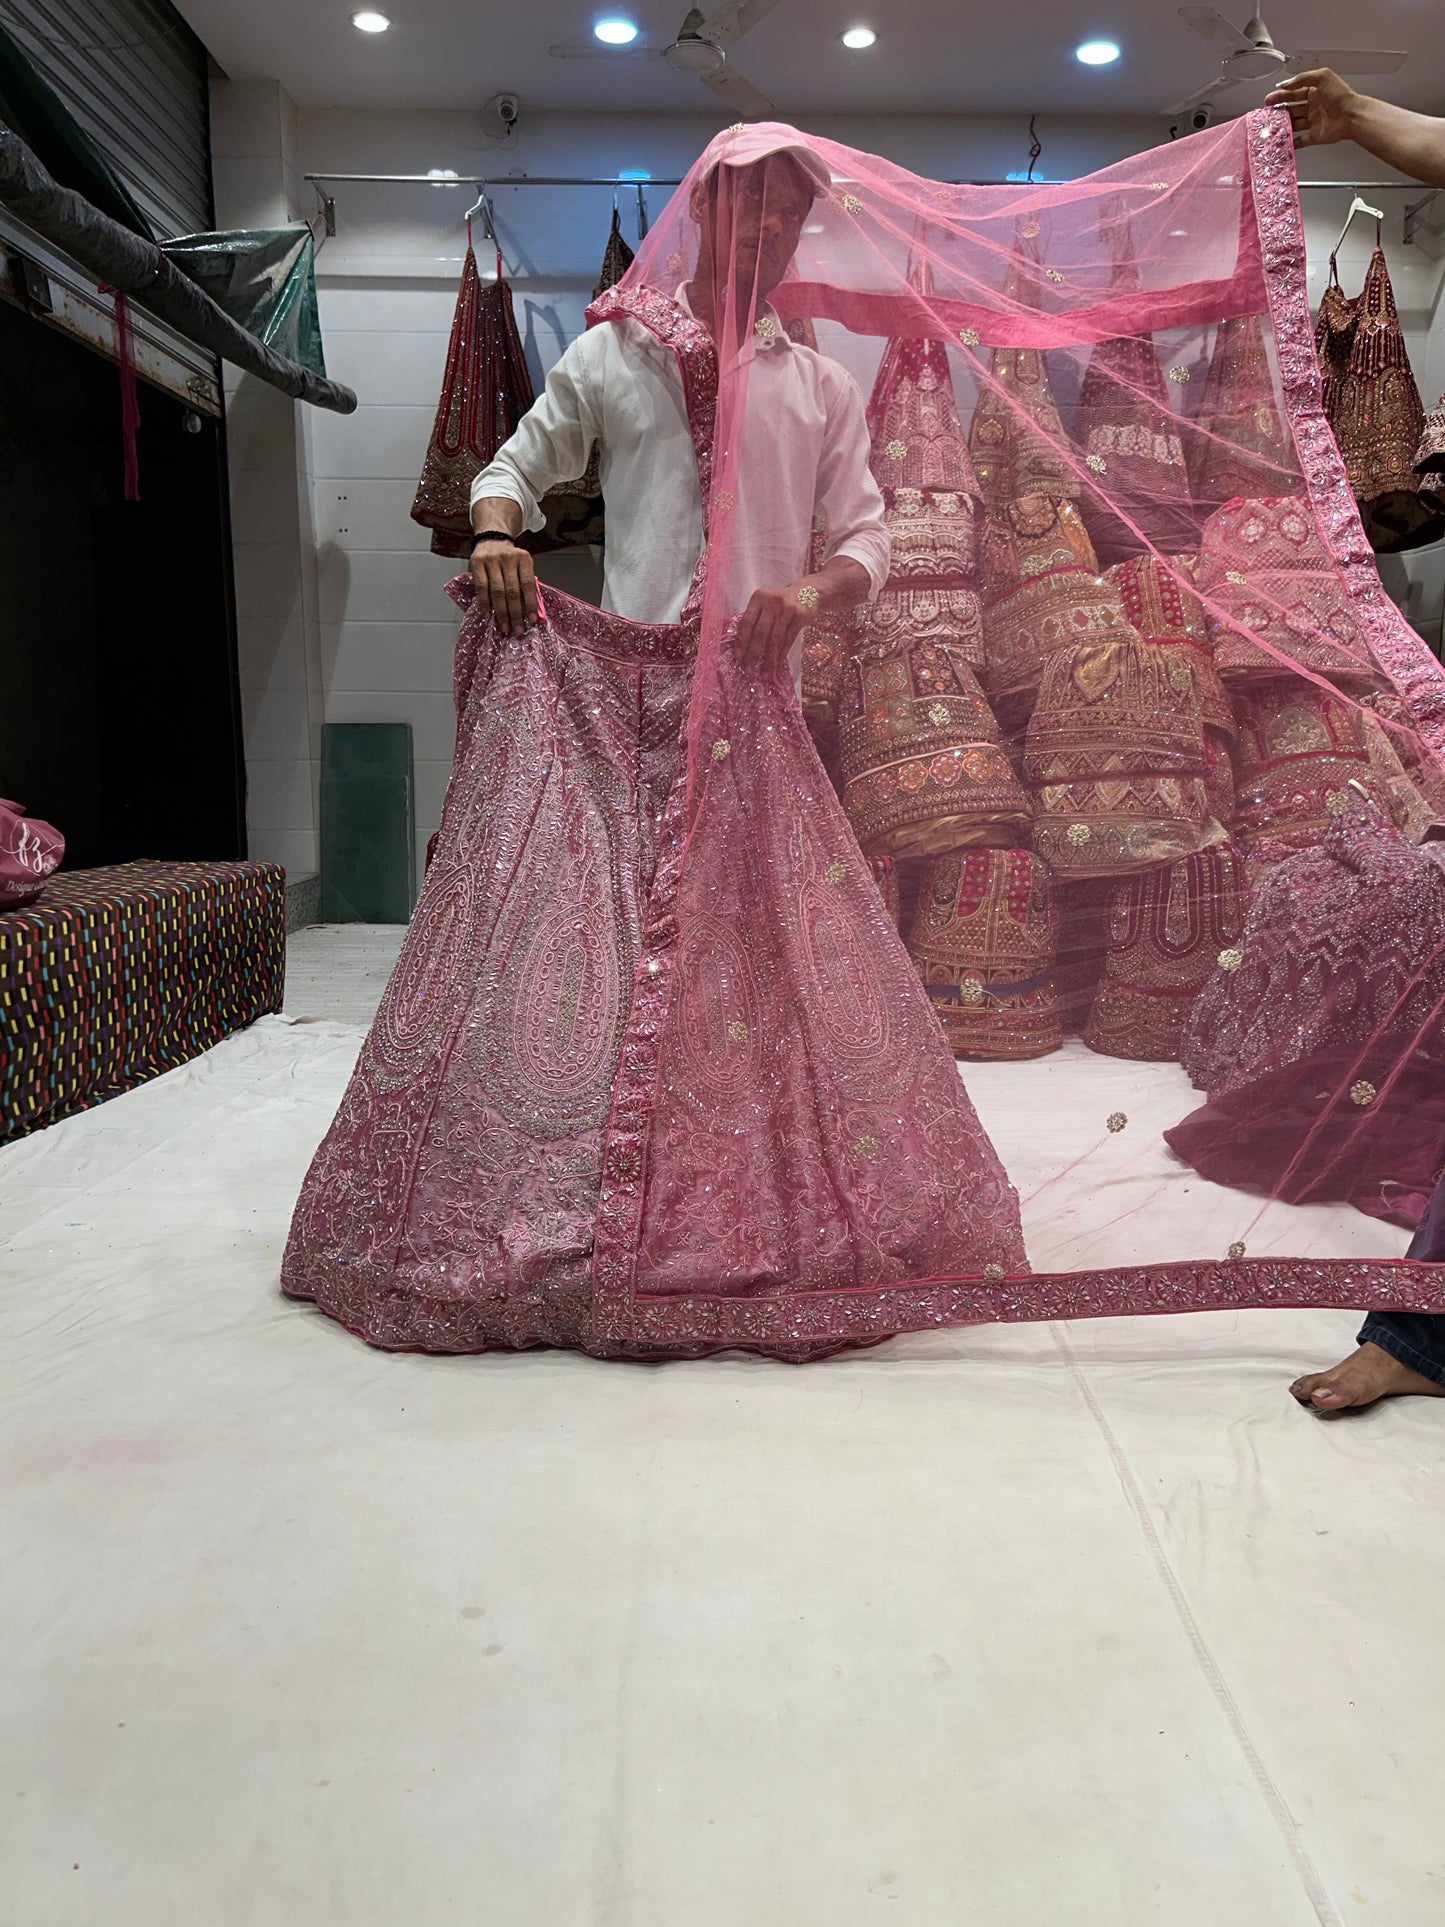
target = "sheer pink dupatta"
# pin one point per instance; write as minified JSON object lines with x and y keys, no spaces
{"x":789,"y":1154}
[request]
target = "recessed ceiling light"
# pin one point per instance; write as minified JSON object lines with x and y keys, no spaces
{"x":857,"y":38}
{"x":1097,"y":53}
{"x":615,"y":33}
{"x":370,"y":22}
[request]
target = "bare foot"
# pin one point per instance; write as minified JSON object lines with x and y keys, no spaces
{"x":1366,"y":1375}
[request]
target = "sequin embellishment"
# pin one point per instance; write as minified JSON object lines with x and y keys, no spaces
{"x":1362,"y":1093}
{"x":1116,"y":1120}
{"x":721,"y":750}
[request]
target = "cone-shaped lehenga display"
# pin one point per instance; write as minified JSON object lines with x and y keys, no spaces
{"x":1238,"y":445}
{"x":984,"y":936}
{"x":1129,"y":434}
{"x":922,"y":767}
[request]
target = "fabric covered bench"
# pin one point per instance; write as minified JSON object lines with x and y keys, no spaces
{"x":112,"y":976}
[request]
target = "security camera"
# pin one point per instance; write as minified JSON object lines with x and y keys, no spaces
{"x":1198,"y":119}
{"x":508,"y":107}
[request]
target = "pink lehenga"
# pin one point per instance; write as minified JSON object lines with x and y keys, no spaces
{"x":1321,"y":1043}
{"x":630,"y":1089}
{"x":655,"y":1075}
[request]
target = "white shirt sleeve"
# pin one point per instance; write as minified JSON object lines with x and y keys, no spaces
{"x":849,"y":499}
{"x":553,"y":439}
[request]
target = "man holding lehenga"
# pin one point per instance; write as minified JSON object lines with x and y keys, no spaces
{"x":654,"y":1076}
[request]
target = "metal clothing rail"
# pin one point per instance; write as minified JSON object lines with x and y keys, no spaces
{"x":486,"y":184}
{"x":631,"y":180}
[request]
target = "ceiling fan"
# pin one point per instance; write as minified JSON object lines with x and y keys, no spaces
{"x":1253,"y":55}
{"x":701,"y":49}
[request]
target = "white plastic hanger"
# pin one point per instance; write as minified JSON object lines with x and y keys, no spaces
{"x":1358,"y":206}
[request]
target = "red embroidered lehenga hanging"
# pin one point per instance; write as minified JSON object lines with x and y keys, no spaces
{"x":655,"y":1074}
{"x":486,"y":390}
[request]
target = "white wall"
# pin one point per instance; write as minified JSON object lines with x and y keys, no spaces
{"x":253,"y":134}
{"x":387,"y":287}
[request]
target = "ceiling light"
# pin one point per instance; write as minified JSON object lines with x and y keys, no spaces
{"x":1097,"y":53}
{"x":857,"y":38}
{"x":638,"y":174}
{"x":441,"y":174}
{"x":370,"y":22}
{"x":615,"y":33}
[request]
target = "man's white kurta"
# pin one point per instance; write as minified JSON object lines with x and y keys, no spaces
{"x":805,"y":454}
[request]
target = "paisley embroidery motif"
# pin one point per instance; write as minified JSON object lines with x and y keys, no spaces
{"x":419,"y":991}
{"x":720,"y":1027}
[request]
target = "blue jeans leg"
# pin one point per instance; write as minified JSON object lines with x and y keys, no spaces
{"x":1415,"y":1338}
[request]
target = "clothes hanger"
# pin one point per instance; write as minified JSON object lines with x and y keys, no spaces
{"x":483,"y":206}
{"x":1358,"y":206}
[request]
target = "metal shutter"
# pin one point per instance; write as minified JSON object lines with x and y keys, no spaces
{"x":134,"y":76}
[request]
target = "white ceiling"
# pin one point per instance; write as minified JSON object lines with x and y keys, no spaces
{"x":932,"y":56}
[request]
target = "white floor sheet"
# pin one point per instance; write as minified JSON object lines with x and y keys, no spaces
{"x":1036,"y":1627}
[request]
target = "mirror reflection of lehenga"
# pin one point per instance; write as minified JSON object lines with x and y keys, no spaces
{"x":482,"y":1185}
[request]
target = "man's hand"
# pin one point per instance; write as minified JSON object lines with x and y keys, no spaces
{"x":507,"y":583}
{"x":773,"y":621}
{"x":1320,"y":104}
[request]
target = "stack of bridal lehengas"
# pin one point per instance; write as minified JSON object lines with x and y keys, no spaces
{"x":1037,"y":756}
{"x":1107,"y":677}
{"x":926,"y":780}
{"x":1067,"y":771}
{"x":1312,"y":710}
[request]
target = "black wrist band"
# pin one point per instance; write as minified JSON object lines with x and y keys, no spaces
{"x":492,"y":535}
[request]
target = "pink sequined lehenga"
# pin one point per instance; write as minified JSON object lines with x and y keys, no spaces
{"x":632,"y":1090}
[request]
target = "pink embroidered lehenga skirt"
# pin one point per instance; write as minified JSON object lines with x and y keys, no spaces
{"x":645,"y":1082}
